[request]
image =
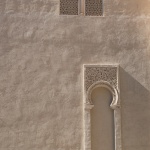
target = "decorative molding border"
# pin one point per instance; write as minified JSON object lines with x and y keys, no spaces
{"x":101,"y":76}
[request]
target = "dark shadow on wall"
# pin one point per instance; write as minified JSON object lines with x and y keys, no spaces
{"x":135,"y":113}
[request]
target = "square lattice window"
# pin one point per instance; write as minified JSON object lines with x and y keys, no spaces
{"x":69,"y":7}
{"x":93,"y":7}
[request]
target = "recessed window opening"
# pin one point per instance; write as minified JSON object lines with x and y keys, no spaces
{"x":102,"y":120}
{"x":81,"y":7}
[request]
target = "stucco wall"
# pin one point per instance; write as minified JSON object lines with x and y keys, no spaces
{"x":41,"y":58}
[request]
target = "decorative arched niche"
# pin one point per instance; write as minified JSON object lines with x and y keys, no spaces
{"x":106,"y":76}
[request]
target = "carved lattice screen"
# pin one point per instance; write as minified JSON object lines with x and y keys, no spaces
{"x":93,"y":7}
{"x":84,"y":7}
{"x":69,"y":7}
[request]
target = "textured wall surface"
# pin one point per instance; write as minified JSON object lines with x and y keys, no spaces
{"x":41,"y":58}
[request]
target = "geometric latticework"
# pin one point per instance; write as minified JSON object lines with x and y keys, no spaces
{"x":69,"y":7}
{"x":93,"y":7}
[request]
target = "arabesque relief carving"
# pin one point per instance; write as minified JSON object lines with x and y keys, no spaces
{"x":94,"y":74}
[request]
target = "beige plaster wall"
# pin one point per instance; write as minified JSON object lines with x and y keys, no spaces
{"x":41,"y":58}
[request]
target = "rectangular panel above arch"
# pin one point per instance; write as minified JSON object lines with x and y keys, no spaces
{"x":106,"y":73}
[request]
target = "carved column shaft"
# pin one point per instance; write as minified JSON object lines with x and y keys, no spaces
{"x":87,"y":129}
{"x":118,"y":136}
